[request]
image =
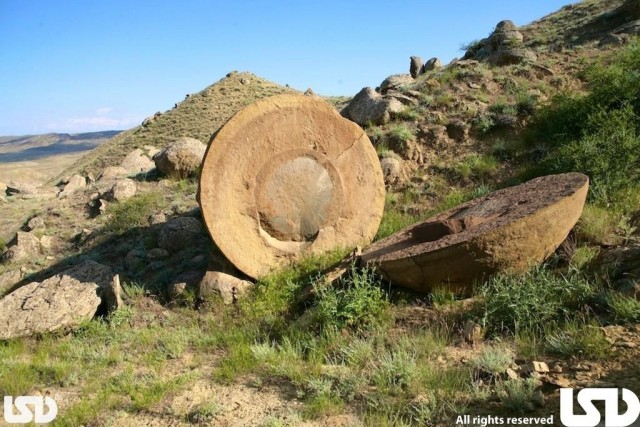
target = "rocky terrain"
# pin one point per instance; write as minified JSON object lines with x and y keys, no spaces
{"x":116,"y":302}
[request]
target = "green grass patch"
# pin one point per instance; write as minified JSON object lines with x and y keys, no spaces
{"x":133,"y":212}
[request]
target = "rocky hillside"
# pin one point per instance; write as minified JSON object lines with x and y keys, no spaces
{"x":140,"y":319}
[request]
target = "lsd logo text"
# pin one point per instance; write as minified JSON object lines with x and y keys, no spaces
{"x":24,"y":414}
{"x":592,"y":415}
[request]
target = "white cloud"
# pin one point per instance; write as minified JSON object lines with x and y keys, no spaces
{"x":103,"y":119}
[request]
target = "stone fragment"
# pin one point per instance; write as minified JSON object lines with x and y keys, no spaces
{"x":76,"y":183}
{"x":510,"y":229}
{"x":536,"y":366}
{"x":303,"y":181}
{"x":225,"y":286}
{"x":27,"y":245}
{"x":8,"y":279}
{"x":61,"y":301}
{"x":122,"y":190}
{"x":35,"y":223}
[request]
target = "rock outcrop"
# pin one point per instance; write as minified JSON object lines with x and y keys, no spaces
{"x":181,"y":158}
{"x":62,"y":301}
{"x":503,"y":47}
{"x":415,"y":66}
{"x":75,"y":183}
{"x":369,"y":107}
{"x":26,"y":246}
{"x":137,"y":162}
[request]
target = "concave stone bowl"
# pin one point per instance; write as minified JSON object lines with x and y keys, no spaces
{"x":507,"y":230}
{"x":287,"y":177}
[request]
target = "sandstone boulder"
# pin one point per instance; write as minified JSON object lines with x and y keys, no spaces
{"x":415,"y":65}
{"x":136,"y":162}
{"x":26,"y":246}
{"x":179,"y":233}
{"x":21,"y":188}
{"x":122,"y":190}
{"x":225,"y":286}
{"x":432,"y":64}
{"x":62,"y":301}
{"x":75,"y":183}
{"x":503,"y":47}
{"x":510,"y":229}
{"x":396,"y":82}
{"x":393,"y":171}
{"x":287,"y":177}
{"x":35,"y":223}
{"x":181,"y":158}
{"x":112,"y":172}
{"x":369,"y":107}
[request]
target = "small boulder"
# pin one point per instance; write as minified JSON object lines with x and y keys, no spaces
{"x":393,"y":171}
{"x":61,"y":301}
{"x":157,"y":218}
{"x":218,"y":284}
{"x":432,"y":64}
{"x":136,"y":162}
{"x":415,"y":65}
{"x":122,"y":190}
{"x":181,"y":158}
{"x":368,"y":106}
{"x":396,"y":82}
{"x":14,"y":188}
{"x":35,"y":223}
{"x":27,"y":245}
{"x":75,"y":183}
{"x":513,"y":55}
{"x":179,"y":233}
{"x":111,"y":173}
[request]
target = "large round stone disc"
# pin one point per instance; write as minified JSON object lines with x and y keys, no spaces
{"x":509,"y":229}
{"x":288,"y":176}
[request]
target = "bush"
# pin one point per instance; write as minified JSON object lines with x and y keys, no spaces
{"x":533,"y":300}
{"x":597,"y":133}
{"x":133,"y":212}
{"x":356,"y":302}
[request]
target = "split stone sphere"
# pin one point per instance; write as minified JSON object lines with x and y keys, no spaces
{"x":507,"y":230}
{"x":288,"y":176}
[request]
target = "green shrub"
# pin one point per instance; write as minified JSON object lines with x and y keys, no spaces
{"x":596,"y":133}
{"x":517,"y":394}
{"x":133,"y":212}
{"x":356,"y":302}
{"x":494,"y":359}
{"x":623,"y":309}
{"x":401,"y":134}
{"x":577,"y":339}
{"x":533,"y":300}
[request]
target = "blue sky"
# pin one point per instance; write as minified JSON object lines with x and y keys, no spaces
{"x":88,"y":65}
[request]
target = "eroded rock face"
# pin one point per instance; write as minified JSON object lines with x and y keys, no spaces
{"x":396,"y":82}
{"x":62,"y":301}
{"x":181,"y":158}
{"x":368,"y":106}
{"x":393,"y":171}
{"x":285,"y":177}
{"x":510,"y":229}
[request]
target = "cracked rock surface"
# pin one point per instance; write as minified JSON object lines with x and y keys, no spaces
{"x":61,"y":301}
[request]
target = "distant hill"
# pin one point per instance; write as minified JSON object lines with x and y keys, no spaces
{"x":34,"y":147}
{"x":198,"y":116}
